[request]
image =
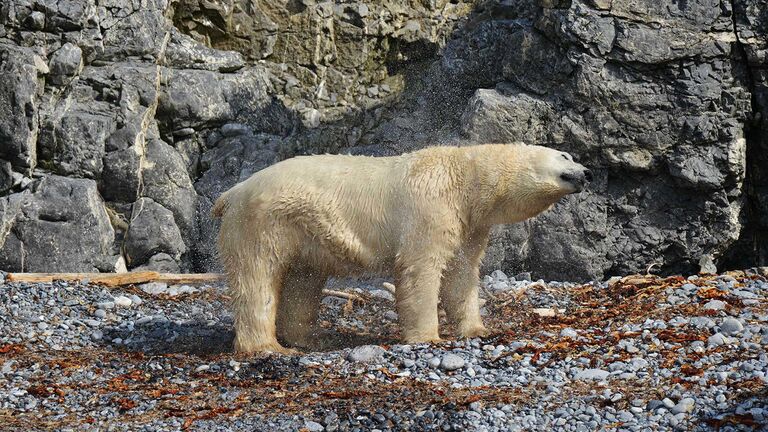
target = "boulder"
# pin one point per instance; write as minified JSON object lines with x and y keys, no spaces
{"x":19,"y":95}
{"x":59,"y":225}
{"x":65,"y":63}
{"x":152,"y":230}
{"x":162,"y":263}
{"x":165,"y":181}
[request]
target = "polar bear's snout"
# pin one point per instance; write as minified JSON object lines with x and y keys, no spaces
{"x":579,"y":178}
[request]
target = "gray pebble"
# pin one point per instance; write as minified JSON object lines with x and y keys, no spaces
{"x":123,"y":301}
{"x":592,"y":374}
{"x":451,"y":362}
{"x":686,"y":405}
{"x":715,"y":305}
{"x":313,"y":426}
{"x":731,"y":326}
{"x":715,"y":340}
{"x":366,"y":353}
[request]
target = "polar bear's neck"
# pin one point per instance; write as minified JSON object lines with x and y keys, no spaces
{"x":502,"y":189}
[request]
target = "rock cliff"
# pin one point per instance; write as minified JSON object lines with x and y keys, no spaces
{"x":121,"y":122}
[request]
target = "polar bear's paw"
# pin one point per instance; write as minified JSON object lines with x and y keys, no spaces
{"x":474,"y":332}
{"x":274,"y":348}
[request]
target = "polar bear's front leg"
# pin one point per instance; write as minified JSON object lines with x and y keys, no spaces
{"x":418,"y":275}
{"x":459,"y":290}
{"x":417,"y":296}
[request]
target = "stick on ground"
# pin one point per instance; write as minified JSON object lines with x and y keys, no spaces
{"x":130,"y":278}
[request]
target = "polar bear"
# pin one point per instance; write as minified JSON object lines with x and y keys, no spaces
{"x":423,"y":217}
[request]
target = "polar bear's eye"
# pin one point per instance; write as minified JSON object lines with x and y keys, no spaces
{"x":564,"y":156}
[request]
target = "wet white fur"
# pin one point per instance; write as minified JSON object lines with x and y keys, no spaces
{"x":423,"y":217}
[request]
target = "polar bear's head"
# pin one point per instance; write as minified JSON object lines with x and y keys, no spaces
{"x":526,"y":180}
{"x":555,"y":172}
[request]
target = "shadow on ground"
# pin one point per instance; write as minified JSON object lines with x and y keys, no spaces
{"x":201,"y":338}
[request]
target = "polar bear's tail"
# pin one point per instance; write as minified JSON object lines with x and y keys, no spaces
{"x":220,"y":206}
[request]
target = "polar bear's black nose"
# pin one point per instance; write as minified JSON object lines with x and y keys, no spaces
{"x":579,"y":179}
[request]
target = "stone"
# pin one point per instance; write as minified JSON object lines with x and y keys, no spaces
{"x":20,"y":90}
{"x":495,"y":117}
{"x":184,"y":52}
{"x":123,"y":301}
{"x":685,"y":405}
{"x":715,"y":305}
{"x":434,"y":362}
{"x":716,"y":340}
{"x":702,"y":322}
{"x":152,"y":230}
{"x":154,"y":288}
{"x":706,"y":264}
{"x":731,"y":326}
{"x":451,"y":362}
{"x":74,"y":138}
{"x":235,"y":129}
{"x":525,"y":276}
{"x":161,"y":262}
{"x":178,"y":196}
{"x":312,"y":426}
{"x":65,"y":63}
{"x":366,"y":354}
{"x":6,"y":176}
{"x":121,"y":175}
{"x":592,"y":374}
{"x":60,"y":225}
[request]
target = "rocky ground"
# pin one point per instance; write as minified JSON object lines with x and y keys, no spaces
{"x":638,"y":353}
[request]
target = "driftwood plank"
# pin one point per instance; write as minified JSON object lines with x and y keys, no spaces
{"x":122,"y":279}
{"x":117,"y":279}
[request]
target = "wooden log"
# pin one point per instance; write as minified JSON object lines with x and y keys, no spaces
{"x":342,"y":294}
{"x":131,"y":278}
{"x":117,"y":279}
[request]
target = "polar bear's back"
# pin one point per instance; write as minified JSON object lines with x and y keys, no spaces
{"x":350,"y":204}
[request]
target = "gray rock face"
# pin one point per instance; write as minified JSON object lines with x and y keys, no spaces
{"x":751,"y":24}
{"x":19,"y":98}
{"x":174,"y":102}
{"x":612,"y":105}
